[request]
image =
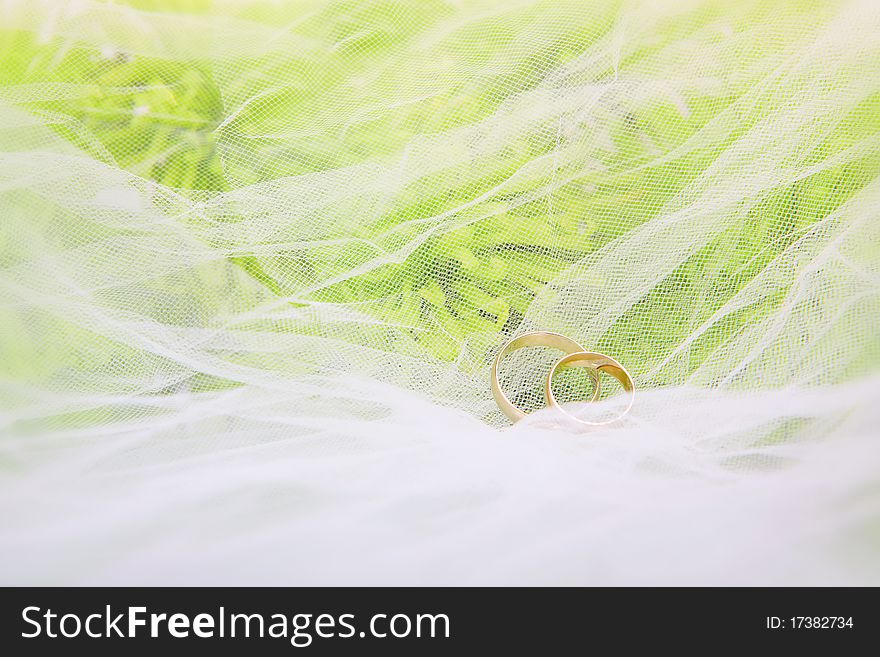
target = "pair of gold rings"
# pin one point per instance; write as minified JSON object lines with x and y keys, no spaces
{"x":576,"y":356}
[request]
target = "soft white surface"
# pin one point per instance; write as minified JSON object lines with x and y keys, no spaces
{"x":261,"y":487}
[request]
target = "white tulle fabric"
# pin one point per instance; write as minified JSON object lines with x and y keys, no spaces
{"x":167,"y":418}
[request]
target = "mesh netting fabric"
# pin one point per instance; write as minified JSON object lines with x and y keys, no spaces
{"x":256,"y":259}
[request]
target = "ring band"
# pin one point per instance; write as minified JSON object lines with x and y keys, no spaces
{"x":595,"y":362}
{"x":534,"y":339}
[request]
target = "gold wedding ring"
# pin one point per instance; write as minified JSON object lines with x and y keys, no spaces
{"x":534,"y":339}
{"x":576,"y":356}
{"x":596,"y":362}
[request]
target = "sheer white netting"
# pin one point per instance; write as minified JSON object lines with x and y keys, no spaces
{"x":256,"y":259}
